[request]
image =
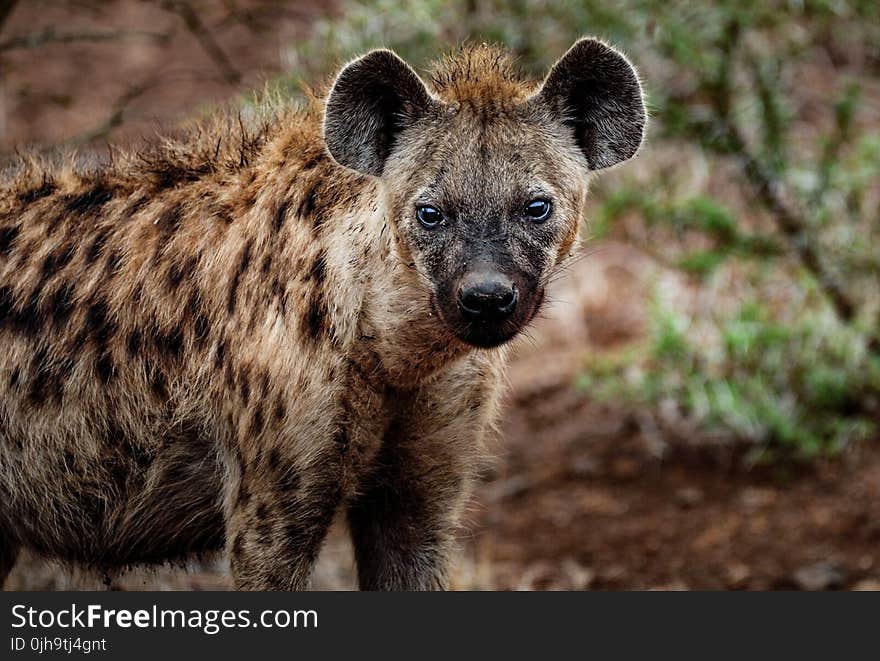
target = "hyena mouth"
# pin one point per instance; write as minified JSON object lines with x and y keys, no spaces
{"x":487,"y":331}
{"x":488,"y":336}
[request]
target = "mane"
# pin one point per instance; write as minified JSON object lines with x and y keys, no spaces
{"x":479,"y":74}
{"x":221,"y":144}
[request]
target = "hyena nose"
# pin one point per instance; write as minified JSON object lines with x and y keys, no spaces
{"x":487,"y":297}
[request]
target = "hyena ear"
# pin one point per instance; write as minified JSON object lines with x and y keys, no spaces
{"x":372,"y":100}
{"x":596,"y":91}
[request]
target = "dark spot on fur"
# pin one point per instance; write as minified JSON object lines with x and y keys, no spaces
{"x":170,"y":343}
{"x":301,"y":535}
{"x":104,"y":368}
{"x":61,"y":304}
{"x":278,"y":293}
{"x":274,"y":460}
{"x":202,"y":328}
{"x":69,"y":460}
{"x":14,"y":377}
{"x":262,"y":512}
{"x":242,"y":267}
{"x":32,"y":195}
{"x":159,"y":385}
{"x":27,"y":318}
{"x":280,"y":410}
{"x":244,"y":388}
{"x":340,"y":438}
{"x":40,"y":386}
{"x":177,"y":272}
{"x":63,"y":370}
{"x":116,"y":469}
{"x":264,"y":383}
{"x":264,"y":532}
{"x":169,"y":220}
{"x":257,"y":423}
{"x":311,"y":162}
{"x":307,"y":202}
{"x":288,"y":480}
{"x":89,"y":201}
{"x":220,"y":354}
{"x":96,"y":247}
{"x":224,"y":214}
{"x":114,"y":261}
{"x":267,"y":264}
{"x":113,"y":435}
{"x":249,"y":199}
{"x":315,"y":318}
{"x":98,"y":323}
{"x":280,"y":216}
{"x":141,"y":455}
{"x":318,"y":271}
{"x":135,"y":205}
{"x":134,"y":342}
{"x":57,"y":260}
{"x":7,"y":238}
{"x":166,"y":174}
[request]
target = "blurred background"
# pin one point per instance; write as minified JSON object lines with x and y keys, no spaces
{"x":699,"y":405}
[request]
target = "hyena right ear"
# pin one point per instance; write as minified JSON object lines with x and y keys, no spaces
{"x":595,"y":91}
{"x":372,"y":99}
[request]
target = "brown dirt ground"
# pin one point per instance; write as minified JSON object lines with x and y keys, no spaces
{"x":583,"y":500}
{"x":582,"y":494}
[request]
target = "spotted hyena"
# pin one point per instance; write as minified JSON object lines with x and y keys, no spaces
{"x":223,"y":340}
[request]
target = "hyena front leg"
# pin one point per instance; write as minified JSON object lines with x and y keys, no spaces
{"x":278,"y":522}
{"x":403,"y":524}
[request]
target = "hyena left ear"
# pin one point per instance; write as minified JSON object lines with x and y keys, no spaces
{"x":596,"y":91}
{"x":372,"y":100}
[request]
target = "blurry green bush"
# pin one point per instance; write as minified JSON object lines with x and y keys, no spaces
{"x":771,"y":113}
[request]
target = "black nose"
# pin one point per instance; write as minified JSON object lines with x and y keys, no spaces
{"x":487,"y":297}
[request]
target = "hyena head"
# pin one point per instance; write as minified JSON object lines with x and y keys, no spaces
{"x":485,"y":173}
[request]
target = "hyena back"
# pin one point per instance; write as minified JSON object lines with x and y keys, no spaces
{"x":220,"y":343}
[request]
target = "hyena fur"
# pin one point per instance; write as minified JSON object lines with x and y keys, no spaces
{"x":221,"y":341}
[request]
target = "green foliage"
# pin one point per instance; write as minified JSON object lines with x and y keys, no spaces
{"x":772,"y":107}
{"x":746,"y":385}
{"x":698,"y":215}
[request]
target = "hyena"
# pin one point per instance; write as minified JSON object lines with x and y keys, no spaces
{"x":221,"y":341}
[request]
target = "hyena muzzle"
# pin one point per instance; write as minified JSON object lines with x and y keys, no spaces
{"x":225,"y":339}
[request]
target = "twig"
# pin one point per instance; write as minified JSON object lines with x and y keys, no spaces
{"x":117,"y":114}
{"x":49,"y":35}
{"x":194,"y":24}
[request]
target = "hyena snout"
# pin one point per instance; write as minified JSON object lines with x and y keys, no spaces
{"x":486,"y":307}
{"x":488,"y":297}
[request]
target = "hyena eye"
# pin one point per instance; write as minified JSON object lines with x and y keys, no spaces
{"x":538,"y":210}
{"x":429,"y":216}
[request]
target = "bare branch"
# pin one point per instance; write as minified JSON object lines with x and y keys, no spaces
{"x":50,"y":36}
{"x":769,"y":189}
{"x":790,"y":222}
{"x":194,"y":24}
{"x":117,"y":114}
